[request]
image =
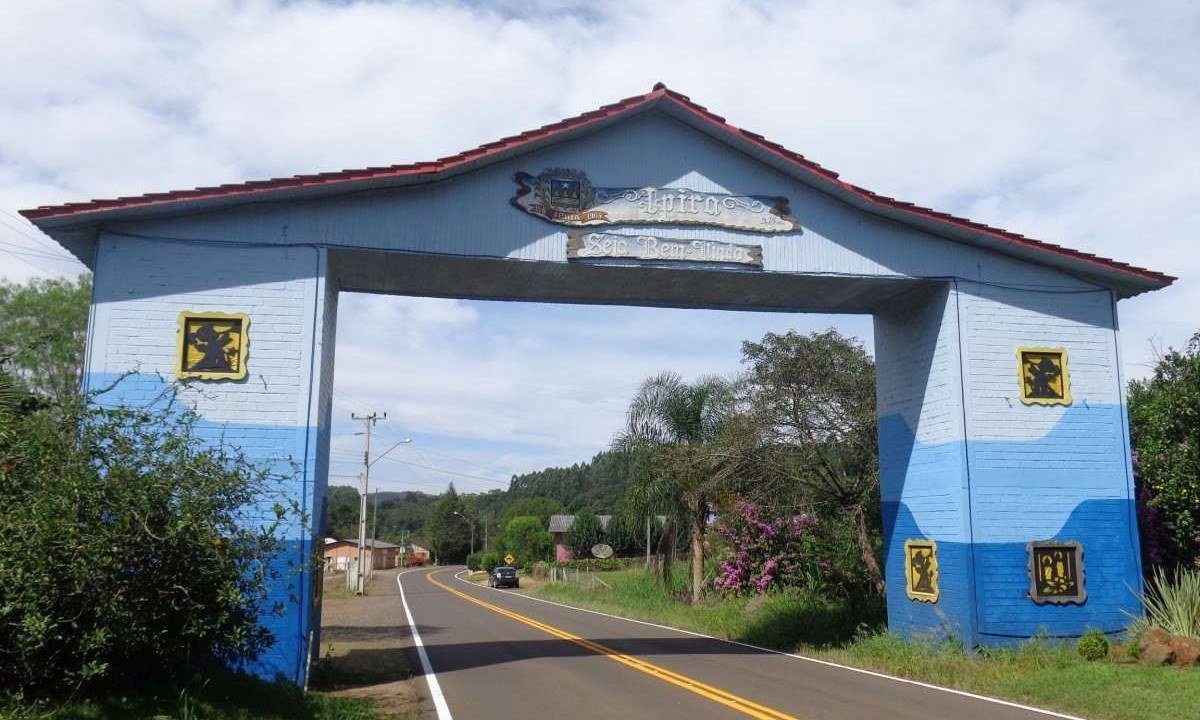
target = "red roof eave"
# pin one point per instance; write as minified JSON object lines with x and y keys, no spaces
{"x":660,"y":94}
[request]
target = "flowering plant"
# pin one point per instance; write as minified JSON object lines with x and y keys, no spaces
{"x":769,"y":552}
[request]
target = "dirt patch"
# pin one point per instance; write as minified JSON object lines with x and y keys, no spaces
{"x":366,"y":650}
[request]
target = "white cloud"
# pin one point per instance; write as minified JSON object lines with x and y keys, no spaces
{"x":530,"y":384}
{"x":1072,"y":121}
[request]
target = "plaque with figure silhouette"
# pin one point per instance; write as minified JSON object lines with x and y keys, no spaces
{"x":1056,"y":572}
{"x":1043,"y":377}
{"x":921,"y":570}
{"x":212,"y":345}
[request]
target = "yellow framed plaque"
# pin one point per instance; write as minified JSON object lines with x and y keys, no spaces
{"x":921,"y":572}
{"x":1043,"y":375}
{"x":212,"y":345}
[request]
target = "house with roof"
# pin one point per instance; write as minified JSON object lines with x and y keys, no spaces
{"x":416,"y":550}
{"x":341,"y":555}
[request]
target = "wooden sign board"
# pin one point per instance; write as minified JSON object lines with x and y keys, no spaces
{"x":567,"y":197}
{"x":584,"y":246}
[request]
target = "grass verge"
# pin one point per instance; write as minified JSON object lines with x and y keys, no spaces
{"x":1037,"y":673}
{"x":217,"y":696}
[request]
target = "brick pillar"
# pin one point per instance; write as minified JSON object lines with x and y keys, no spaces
{"x":278,"y":414}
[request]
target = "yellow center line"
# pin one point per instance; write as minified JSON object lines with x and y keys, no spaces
{"x":709,"y":692}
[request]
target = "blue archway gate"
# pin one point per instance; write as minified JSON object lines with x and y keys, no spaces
{"x":1006,"y":477}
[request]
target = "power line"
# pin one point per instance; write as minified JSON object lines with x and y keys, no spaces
{"x":427,"y":467}
{"x":423,"y":449}
{"x":448,"y":472}
{"x":31,"y":252}
{"x":30,"y":263}
{"x":39,"y":238}
{"x":455,"y":457}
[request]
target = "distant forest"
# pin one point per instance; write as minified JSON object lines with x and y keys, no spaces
{"x":597,"y":485}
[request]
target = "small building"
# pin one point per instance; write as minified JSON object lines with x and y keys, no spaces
{"x":341,"y":555}
{"x":560,"y":525}
{"x":416,"y":549}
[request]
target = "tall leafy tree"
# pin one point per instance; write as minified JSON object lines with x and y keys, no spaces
{"x":537,"y":506}
{"x":341,"y":512}
{"x":448,"y":532}
{"x":584,"y":533}
{"x":43,"y":324}
{"x":814,"y":399}
{"x":621,"y":537}
{"x":1164,"y":419}
{"x":695,"y":442}
{"x":527,"y":539}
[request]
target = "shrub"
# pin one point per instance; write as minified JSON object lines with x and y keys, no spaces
{"x":1173,"y":602}
{"x":527,"y":539}
{"x":473,"y":561}
{"x":792,"y":617}
{"x":765,"y":553}
{"x":131,"y":550}
{"x":490,"y":560}
{"x":412,"y":561}
{"x":1092,"y":646}
{"x":1166,"y":437}
{"x":541,"y":570}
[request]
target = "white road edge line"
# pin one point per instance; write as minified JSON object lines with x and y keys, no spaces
{"x":435,"y":688}
{"x":872,"y":673}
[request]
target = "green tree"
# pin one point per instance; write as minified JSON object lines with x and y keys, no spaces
{"x":597,"y":485}
{"x":813,"y":397}
{"x":448,"y":532}
{"x":527,"y":539}
{"x":584,"y":533}
{"x":43,"y":324}
{"x":341,"y":512}
{"x":621,"y":537}
{"x":404,"y":514}
{"x":125,"y":548}
{"x":1164,"y":419}
{"x":537,"y":506}
{"x":694,"y":442}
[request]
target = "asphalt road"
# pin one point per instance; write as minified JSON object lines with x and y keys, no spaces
{"x":498,"y":654}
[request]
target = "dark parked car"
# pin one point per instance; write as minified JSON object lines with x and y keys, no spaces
{"x":504,"y":576}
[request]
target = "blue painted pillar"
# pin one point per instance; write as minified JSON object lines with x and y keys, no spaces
{"x":923,"y":461}
{"x":278,"y":415}
{"x":967,"y":463}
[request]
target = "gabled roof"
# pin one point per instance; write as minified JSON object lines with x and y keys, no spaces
{"x":81,"y":214}
{"x":563,"y":523}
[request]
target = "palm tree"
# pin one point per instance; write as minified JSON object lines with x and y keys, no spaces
{"x":695,"y":444}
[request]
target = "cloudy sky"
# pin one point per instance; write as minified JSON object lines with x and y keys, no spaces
{"x":1073,"y":122}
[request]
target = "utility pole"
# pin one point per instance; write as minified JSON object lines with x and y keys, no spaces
{"x":368,"y":423}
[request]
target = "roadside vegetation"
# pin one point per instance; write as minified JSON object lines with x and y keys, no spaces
{"x":136,"y":556}
{"x":213,"y":695}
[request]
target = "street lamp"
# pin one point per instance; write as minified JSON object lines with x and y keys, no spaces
{"x":471,"y":525}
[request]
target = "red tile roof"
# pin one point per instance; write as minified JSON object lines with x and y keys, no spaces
{"x":660,"y":94}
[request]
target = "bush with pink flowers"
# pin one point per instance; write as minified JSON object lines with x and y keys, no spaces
{"x":766,"y":552}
